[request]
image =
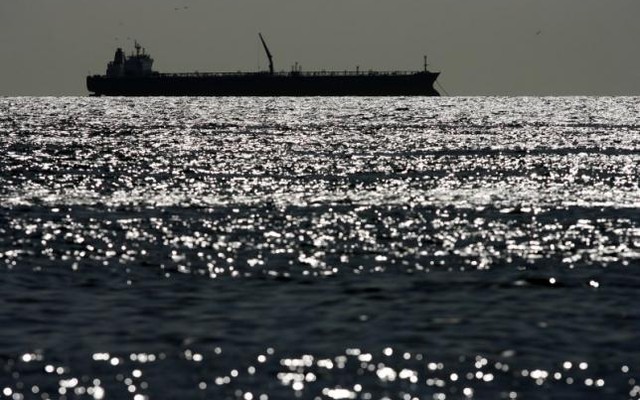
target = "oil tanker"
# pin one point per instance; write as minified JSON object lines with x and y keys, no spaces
{"x":133,"y":76}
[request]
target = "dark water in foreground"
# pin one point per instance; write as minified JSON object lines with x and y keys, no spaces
{"x":319,"y":248}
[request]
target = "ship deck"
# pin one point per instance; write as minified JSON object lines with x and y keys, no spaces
{"x":290,"y":73}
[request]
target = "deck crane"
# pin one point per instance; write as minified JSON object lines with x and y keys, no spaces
{"x":266,"y":49}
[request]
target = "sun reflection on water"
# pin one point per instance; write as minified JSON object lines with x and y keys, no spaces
{"x":455,"y":247}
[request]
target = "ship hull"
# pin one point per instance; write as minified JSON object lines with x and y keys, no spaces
{"x":258,"y":84}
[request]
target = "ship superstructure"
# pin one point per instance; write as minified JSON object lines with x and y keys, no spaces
{"x":138,"y":64}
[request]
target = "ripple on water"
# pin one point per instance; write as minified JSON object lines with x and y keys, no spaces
{"x":320,"y":248}
{"x":350,"y":374}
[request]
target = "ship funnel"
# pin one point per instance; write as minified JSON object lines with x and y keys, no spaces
{"x":269,"y":56}
{"x":118,"y":58}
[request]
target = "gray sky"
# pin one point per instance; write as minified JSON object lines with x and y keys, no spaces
{"x":482,"y":47}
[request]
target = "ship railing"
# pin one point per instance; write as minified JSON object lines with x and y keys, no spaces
{"x":294,"y":73}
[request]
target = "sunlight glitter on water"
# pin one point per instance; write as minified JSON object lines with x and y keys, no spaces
{"x":342,"y":376}
{"x":456,"y":247}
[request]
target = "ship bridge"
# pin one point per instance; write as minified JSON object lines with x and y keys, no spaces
{"x":138,"y":64}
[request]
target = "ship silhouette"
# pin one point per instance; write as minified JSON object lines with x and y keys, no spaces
{"x":133,"y":76}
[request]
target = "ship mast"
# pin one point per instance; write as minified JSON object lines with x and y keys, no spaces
{"x":266,"y":49}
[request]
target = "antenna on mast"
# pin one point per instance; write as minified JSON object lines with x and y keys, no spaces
{"x":269,"y":56}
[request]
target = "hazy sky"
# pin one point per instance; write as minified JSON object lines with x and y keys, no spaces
{"x":482,"y":47}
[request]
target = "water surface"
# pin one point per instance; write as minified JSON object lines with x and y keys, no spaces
{"x":366,"y":248}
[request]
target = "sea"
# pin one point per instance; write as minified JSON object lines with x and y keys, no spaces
{"x":320,"y":248}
